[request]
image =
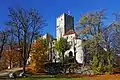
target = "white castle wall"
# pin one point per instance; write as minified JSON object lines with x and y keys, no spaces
{"x":60,"y":26}
{"x":71,"y":38}
{"x":79,"y":51}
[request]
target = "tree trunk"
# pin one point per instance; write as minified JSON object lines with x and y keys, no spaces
{"x":20,"y":63}
{"x":24,"y":65}
{"x":10,"y":63}
{"x":24,"y":52}
{"x":62,"y":58}
{"x":20,"y":59}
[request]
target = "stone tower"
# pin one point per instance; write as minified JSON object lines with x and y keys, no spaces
{"x":65,"y":22}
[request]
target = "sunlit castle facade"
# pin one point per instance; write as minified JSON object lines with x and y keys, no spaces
{"x":65,"y":28}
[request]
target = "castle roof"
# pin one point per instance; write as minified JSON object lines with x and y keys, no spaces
{"x":70,"y":32}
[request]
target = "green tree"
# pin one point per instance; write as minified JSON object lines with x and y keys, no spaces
{"x":90,"y":30}
{"x":110,"y":52}
{"x":111,"y":38}
{"x":61,"y":46}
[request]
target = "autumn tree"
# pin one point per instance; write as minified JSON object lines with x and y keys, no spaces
{"x":10,"y":57}
{"x":10,"y":51}
{"x":39,"y":55}
{"x":27,"y":25}
{"x":3,"y":40}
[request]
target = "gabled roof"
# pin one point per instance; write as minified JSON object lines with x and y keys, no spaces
{"x":70,"y":32}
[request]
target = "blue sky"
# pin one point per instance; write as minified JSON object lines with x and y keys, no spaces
{"x":50,"y":9}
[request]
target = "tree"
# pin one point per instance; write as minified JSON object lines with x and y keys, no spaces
{"x":114,"y":29}
{"x":61,"y":46}
{"x":26,"y":25}
{"x":39,"y":55}
{"x":90,"y":30}
{"x":110,"y":52}
{"x":3,"y":39}
{"x":10,"y":52}
{"x":10,"y":44}
{"x":111,"y":36}
{"x":11,"y":57}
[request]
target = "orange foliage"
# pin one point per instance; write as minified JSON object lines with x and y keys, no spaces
{"x":11,"y":57}
{"x":39,"y":55}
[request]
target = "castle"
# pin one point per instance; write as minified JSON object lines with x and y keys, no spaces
{"x":65,"y":29}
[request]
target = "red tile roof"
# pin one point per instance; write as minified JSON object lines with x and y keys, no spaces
{"x":70,"y":32}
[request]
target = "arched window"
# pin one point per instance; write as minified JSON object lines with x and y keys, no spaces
{"x":70,"y":54}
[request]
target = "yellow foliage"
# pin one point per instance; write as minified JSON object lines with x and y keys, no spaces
{"x":39,"y":55}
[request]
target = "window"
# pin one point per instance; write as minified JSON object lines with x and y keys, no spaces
{"x":70,"y":54}
{"x":66,"y":37}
